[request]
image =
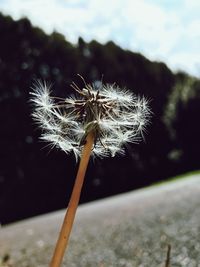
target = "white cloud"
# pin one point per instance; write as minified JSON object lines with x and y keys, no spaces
{"x":161,"y":30}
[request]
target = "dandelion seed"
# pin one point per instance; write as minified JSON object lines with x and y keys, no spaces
{"x":115,"y":116}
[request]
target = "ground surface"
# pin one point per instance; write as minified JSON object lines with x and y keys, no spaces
{"x":130,"y":230}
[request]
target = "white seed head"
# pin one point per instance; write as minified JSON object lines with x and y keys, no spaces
{"x":115,"y":117}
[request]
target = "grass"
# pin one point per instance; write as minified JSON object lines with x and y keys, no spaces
{"x":176,"y":178}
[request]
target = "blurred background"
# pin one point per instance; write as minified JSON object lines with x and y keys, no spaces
{"x":149,"y":46}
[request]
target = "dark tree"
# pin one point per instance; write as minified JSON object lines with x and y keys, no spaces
{"x":35,"y":180}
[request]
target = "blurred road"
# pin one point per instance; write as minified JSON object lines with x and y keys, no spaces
{"x":129,"y":230}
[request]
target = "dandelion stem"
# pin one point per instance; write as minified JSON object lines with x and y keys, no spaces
{"x":63,"y":238}
{"x":167,"y":262}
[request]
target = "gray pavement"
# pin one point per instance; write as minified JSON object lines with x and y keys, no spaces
{"x":128,"y":230}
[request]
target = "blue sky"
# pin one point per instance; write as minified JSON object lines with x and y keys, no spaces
{"x":162,"y":30}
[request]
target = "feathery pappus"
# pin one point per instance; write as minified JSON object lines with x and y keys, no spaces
{"x":115,"y":116}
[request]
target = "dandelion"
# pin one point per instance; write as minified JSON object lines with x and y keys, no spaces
{"x":94,"y":121}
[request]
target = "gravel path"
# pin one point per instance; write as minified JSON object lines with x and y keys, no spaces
{"x":129,"y":230}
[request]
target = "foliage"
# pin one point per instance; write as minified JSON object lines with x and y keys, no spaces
{"x":181,"y":118}
{"x":33,"y":180}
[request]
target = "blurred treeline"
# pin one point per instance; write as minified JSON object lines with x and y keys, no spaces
{"x":34,"y":180}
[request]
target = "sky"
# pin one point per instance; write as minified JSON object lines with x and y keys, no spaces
{"x":161,"y":30}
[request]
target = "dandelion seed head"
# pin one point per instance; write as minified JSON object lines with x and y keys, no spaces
{"x":41,"y":95}
{"x":115,"y":117}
